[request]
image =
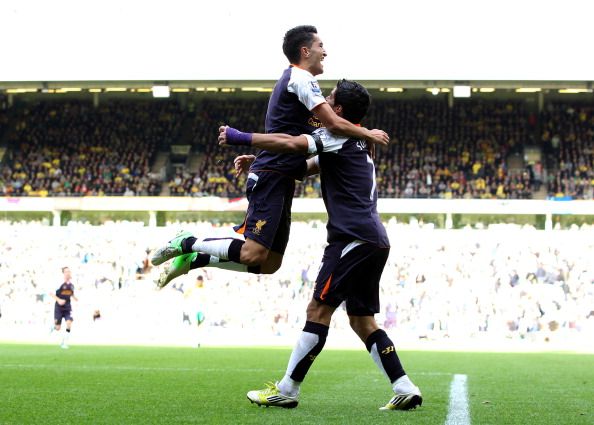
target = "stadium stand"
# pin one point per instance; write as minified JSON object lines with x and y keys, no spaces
{"x":74,"y":149}
{"x":475,"y":149}
{"x":568,"y":139}
{"x":502,"y":282}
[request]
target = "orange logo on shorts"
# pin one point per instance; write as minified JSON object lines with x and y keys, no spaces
{"x":258,"y":229}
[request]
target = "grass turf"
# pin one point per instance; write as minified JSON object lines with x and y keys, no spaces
{"x":42,"y":384}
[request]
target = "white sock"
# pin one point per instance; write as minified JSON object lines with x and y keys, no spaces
{"x":215,"y":247}
{"x":378,"y":361}
{"x":404,"y":385}
{"x":226,"y":265}
{"x":306,"y":342}
{"x":288,"y":386}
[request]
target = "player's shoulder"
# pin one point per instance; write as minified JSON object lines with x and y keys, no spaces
{"x":304,"y":79}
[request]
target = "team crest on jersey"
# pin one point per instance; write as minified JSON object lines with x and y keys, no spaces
{"x":362,"y":145}
{"x":315,"y":87}
{"x":258,"y":229}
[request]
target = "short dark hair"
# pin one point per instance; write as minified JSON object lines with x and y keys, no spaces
{"x":354,"y":99}
{"x":295,"y":39}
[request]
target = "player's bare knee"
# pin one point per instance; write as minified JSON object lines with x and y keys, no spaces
{"x":253,"y":254}
{"x":319,"y":313}
{"x":251,"y":258}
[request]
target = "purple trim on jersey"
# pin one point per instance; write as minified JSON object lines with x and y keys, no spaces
{"x":285,"y":114}
{"x":347,"y":178}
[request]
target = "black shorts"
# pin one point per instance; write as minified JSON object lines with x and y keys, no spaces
{"x":351,"y":273}
{"x":62,"y":313}
{"x":268,"y":217}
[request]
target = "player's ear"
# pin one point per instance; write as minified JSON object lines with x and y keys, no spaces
{"x":338,"y":109}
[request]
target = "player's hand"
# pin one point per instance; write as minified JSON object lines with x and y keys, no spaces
{"x":61,"y":301}
{"x":223,"y":135}
{"x":379,"y":137}
{"x":242,"y":164}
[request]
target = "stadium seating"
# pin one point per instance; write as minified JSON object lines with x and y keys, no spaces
{"x":474,"y":149}
{"x":568,"y":137}
{"x":74,"y":149}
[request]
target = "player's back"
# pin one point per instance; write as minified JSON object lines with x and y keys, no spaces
{"x":349,"y":191}
{"x":287,"y":113}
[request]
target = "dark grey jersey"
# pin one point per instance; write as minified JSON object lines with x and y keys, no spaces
{"x":295,"y":94}
{"x":347,"y":175}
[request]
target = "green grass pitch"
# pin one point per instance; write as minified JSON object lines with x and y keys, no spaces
{"x":42,"y":384}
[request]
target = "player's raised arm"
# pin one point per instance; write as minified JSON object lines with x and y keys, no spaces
{"x":338,"y":125}
{"x":273,"y":142}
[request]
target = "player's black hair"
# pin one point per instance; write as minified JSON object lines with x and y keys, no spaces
{"x":354,"y":99}
{"x":295,"y":39}
{"x":64,"y":268}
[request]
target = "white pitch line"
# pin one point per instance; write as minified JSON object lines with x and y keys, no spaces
{"x":459,"y":410}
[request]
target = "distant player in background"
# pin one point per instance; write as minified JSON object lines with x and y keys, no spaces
{"x":353,"y":261}
{"x":63,"y":307}
{"x":198,"y":301}
{"x":296,"y":106}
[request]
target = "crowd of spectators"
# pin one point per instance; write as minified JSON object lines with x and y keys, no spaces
{"x":75,"y":149}
{"x":215,"y":175}
{"x":502,"y":282}
{"x":568,"y":139}
{"x":437,"y":151}
{"x":458,"y":152}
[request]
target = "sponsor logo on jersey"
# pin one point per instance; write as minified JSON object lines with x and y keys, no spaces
{"x":315,"y":87}
{"x":361,"y":144}
{"x":314,"y":122}
{"x":258,"y":229}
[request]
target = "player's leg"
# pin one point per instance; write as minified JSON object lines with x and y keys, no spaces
{"x":326,"y":298}
{"x":383,"y":352}
{"x":238,"y":255}
{"x":362,"y":304}
{"x":310,"y":343}
{"x":66,"y":336}
{"x":269,"y":211}
{"x":266,"y":230}
{"x":57,"y":317}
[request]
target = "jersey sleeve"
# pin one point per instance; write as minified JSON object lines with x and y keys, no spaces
{"x":322,"y":140}
{"x":307,"y":88}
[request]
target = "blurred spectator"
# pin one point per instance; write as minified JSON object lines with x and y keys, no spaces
{"x":568,"y":139}
{"x":505,"y":281}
